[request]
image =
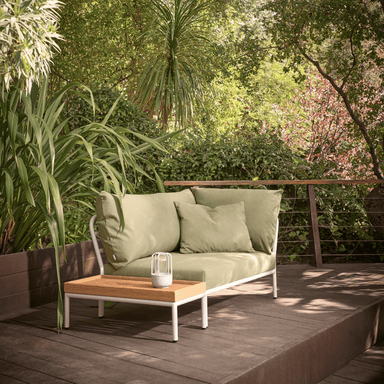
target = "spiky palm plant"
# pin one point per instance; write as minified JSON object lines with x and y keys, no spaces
{"x":171,"y":82}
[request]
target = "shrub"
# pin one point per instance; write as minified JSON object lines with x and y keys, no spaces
{"x":233,"y":156}
{"x":125,"y":114}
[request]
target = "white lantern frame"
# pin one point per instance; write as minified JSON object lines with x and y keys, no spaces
{"x":161,"y":278}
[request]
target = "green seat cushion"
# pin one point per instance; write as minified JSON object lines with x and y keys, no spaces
{"x":216,"y":269}
{"x":151,"y":224}
{"x":261,"y":210}
{"x":220,"y":229}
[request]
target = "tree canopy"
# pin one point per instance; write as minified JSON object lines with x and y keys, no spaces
{"x":102,"y":44}
{"x":258,"y":51}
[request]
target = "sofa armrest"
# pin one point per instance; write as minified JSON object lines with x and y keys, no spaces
{"x":274,"y":248}
{"x":96,"y":244}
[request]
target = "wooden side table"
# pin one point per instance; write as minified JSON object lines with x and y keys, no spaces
{"x":136,"y":290}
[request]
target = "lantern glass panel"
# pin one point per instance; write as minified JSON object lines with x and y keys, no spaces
{"x":161,"y":269}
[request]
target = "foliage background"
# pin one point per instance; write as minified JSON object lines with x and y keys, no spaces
{"x":266,"y":112}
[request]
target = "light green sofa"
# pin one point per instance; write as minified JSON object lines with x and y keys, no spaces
{"x":223,"y":237}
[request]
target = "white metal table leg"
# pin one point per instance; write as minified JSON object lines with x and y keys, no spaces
{"x":174,"y":323}
{"x":66,"y":311}
{"x":101,"y":308}
{"x":204,"y":312}
{"x":102,"y":299}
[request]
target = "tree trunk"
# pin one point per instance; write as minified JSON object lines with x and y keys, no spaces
{"x":374,"y":207}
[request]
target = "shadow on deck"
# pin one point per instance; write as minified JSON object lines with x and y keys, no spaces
{"x":322,"y":319}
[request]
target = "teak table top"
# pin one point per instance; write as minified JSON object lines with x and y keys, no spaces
{"x":134,"y":288}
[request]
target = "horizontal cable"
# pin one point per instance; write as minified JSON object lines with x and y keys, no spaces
{"x":351,"y":241}
{"x":279,"y":256}
{"x":351,"y":254}
{"x":333,"y":241}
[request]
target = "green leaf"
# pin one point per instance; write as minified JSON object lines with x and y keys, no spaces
{"x":13,"y":120}
{"x":22,"y":171}
{"x":55,"y":193}
{"x":45,"y":184}
{"x":56,"y":243}
{"x":107,"y":116}
{"x":9,"y":189}
{"x":87,"y":145}
{"x":153,"y":143}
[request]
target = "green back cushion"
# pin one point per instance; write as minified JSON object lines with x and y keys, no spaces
{"x":151,"y":224}
{"x":220,"y":229}
{"x":261,"y":210}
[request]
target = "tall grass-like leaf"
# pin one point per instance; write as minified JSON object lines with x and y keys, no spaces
{"x":55,"y":192}
{"x":87,"y":146}
{"x":56,"y":242}
{"x":122,"y":164}
{"x":23,"y":174}
{"x":171,"y":82}
{"x":151,"y":142}
{"x":9,"y":190}
{"x":45,"y":186}
{"x":159,"y":140}
{"x":108,"y":115}
{"x":13,"y":120}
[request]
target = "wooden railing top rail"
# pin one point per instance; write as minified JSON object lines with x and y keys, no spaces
{"x":269,"y":182}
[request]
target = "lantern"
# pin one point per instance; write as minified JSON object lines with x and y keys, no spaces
{"x":161,"y":269}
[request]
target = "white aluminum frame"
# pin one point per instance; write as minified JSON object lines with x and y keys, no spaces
{"x":204,"y":307}
{"x":173,"y":305}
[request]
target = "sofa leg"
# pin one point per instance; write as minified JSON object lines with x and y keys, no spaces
{"x":204,"y":312}
{"x":174,"y":323}
{"x":274,"y":285}
{"x":101,"y":308}
{"x":66,"y":311}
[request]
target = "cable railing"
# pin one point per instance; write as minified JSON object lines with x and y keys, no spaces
{"x":321,"y":220}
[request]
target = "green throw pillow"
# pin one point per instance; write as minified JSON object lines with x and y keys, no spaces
{"x":151,"y":224}
{"x":220,"y":229}
{"x":261,"y":210}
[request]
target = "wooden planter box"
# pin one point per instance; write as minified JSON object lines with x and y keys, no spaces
{"x":28,"y":279}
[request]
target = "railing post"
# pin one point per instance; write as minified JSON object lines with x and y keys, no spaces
{"x":314,"y":235}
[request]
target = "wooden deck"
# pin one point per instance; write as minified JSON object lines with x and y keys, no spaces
{"x":321,"y":321}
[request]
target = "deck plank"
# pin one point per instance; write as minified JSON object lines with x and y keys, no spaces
{"x":91,"y":335}
{"x":374,"y":355}
{"x":107,"y":362}
{"x":189,"y":326}
{"x":338,"y":380}
{"x":26,"y":375}
{"x":234,"y":339}
{"x":9,"y":380}
{"x":360,"y":374}
{"x":52,"y":369}
{"x":236,"y":317}
{"x":367,"y":368}
{"x":353,"y":375}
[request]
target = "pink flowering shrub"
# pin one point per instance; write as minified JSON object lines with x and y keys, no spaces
{"x":321,"y":128}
